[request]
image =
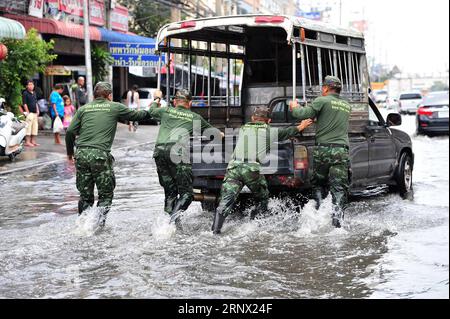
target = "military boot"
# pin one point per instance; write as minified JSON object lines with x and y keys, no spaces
{"x":218,"y":223}
{"x":318,"y":197}
{"x":337,"y":217}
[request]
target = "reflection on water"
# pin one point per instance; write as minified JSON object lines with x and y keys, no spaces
{"x":387,"y":248}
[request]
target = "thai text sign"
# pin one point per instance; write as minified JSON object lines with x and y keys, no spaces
{"x":134,"y":54}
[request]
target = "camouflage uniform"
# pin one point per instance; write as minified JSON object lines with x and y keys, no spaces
{"x":243,"y":171}
{"x":331,"y":173}
{"x":331,"y":156}
{"x":95,"y":124}
{"x":241,"y":174}
{"x":176,"y":179}
{"x":95,"y":167}
{"x":177,"y":125}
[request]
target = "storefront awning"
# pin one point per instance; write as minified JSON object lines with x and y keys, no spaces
{"x":11,"y":29}
{"x":112,"y":36}
{"x":50,"y":26}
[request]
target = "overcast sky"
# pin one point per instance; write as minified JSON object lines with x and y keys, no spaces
{"x":413,"y":34}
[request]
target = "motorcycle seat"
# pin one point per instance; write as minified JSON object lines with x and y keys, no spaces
{"x":17,"y":127}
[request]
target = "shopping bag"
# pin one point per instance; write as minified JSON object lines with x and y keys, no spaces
{"x":58,"y":125}
{"x":47,"y":122}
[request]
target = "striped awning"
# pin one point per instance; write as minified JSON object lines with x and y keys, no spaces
{"x":11,"y":29}
{"x":113,"y":36}
{"x":50,"y":26}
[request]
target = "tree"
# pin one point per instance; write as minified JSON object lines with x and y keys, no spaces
{"x":439,"y":86}
{"x":101,"y":59}
{"x":26,"y":57}
{"x":147,"y":16}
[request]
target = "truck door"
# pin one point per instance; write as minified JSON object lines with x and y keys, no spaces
{"x":382,"y":155}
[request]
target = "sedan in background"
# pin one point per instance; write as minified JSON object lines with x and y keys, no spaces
{"x":145,"y":100}
{"x":432,"y":115}
{"x":409,"y":102}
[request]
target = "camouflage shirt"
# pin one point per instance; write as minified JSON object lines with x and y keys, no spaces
{"x":333,"y":114}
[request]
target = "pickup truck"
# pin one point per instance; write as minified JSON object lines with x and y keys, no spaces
{"x":380,"y":155}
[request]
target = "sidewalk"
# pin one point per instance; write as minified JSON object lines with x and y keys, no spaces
{"x":49,"y":153}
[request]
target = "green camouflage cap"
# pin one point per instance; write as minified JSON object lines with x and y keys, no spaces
{"x":183,"y":94}
{"x":261,"y":112}
{"x":332,"y":82}
{"x":104,"y":86}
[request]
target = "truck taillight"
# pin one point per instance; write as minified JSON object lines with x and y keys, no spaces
{"x":269,"y":19}
{"x":424,"y":111}
{"x":188,"y":24}
{"x":300,"y":157}
{"x":303,"y":165}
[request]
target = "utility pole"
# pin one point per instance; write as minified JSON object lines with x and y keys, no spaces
{"x":109,"y":6}
{"x":87,"y":51}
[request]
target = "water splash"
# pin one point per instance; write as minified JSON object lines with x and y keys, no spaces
{"x":162,"y":229}
{"x":88,"y":223}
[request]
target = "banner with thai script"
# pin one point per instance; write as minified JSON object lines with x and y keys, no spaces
{"x":36,"y":8}
{"x":97,"y":12}
{"x":134,"y":54}
{"x":119,"y":18}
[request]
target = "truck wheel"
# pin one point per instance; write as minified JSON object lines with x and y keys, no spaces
{"x":208,"y":206}
{"x":404,"y":177}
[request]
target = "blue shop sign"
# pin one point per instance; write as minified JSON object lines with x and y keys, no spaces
{"x":134,"y":54}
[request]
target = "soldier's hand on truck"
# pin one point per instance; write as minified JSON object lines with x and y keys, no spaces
{"x":304,"y":124}
{"x":157,"y":97}
{"x":293,"y":104}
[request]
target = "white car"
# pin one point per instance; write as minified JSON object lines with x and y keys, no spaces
{"x":146,"y":97}
{"x":409,"y":102}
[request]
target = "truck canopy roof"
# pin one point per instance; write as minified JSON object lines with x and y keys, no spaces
{"x":288,"y":23}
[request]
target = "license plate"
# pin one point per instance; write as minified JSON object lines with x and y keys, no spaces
{"x":443,"y":114}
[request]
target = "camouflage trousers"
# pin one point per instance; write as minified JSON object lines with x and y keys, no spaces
{"x":176,"y":179}
{"x":331,"y":174}
{"x":95,"y":168}
{"x":237,"y":177}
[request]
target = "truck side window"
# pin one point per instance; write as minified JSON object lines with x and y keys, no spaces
{"x":279,"y":112}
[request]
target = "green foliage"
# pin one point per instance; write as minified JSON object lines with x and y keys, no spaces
{"x":100,"y":60}
{"x":25,"y":58}
{"x":439,"y":86}
{"x":147,"y":16}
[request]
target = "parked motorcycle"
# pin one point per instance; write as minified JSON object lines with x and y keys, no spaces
{"x":12,"y":133}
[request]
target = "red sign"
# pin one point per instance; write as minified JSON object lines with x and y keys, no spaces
{"x":97,"y":12}
{"x":119,"y":18}
{"x":72,"y":7}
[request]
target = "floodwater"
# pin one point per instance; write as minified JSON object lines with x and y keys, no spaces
{"x":389,"y":248}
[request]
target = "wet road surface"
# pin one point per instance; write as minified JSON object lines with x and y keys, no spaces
{"x":389,"y":248}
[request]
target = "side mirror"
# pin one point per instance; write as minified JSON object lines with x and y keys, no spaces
{"x":394,"y":119}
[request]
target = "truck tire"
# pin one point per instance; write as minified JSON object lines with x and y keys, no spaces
{"x":208,"y":206}
{"x":404,"y":176}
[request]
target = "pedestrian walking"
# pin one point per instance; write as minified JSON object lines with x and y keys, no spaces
{"x":177,"y":125}
{"x":31,"y":110}
{"x":95,"y":124}
{"x":244,"y":169}
{"x":133,"y":104}
{"x":331,"y":160}
{"x":69,"y":111}
{"x":57,"y":111}
{"x":81,"y":95}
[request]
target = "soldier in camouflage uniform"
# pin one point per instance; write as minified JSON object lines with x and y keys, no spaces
{"x":171,"y":150}
{"x":245,"y":167}
{"x":95,"y":125}
{"x":331,"y":155}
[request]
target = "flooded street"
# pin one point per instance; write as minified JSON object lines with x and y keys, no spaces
{"x":389,"y":248}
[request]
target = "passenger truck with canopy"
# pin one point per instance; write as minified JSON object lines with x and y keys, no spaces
{"x":236,"y":63}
